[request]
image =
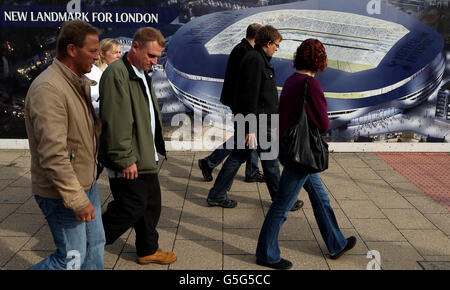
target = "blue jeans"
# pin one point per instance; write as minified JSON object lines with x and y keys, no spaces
{"x":79,"y":245}
{"x":291,"y":183}
{"x":224,"y":180}
{"x":222,"y":152}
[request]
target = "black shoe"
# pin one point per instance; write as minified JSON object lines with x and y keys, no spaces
{"x":297,"y":205}
{"x":351,"y":241}
{"x":206,"y":171}
{"x":258,"y":177}
{"x":281,"y":265}
{"x":226,"y":203}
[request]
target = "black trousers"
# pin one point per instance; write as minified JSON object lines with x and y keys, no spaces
{"x":137,"y":203}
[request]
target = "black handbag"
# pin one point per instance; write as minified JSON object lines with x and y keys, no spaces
{"x":302,"y":147}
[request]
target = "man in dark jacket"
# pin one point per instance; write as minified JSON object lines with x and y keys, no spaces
{"x":207,"y":164}
{"x":256,"y":95}
{"x":130,"y":142}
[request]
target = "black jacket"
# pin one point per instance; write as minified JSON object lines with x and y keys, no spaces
{"x":231,"y":74}
{"x":257,"y":91}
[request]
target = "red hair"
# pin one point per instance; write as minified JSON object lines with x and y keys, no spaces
{"x":310,"y":55}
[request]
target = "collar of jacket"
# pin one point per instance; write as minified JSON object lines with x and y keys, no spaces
{"x":246,"y":43}
{"x":77,"y":81}
{"x":130,"y":69}
{"x":264,"y":56}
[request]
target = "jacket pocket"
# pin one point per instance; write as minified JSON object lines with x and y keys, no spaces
{"x":268,"y":74}
{"x":72,"y":150}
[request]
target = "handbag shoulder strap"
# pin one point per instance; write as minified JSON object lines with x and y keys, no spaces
{"x":305,"y":89}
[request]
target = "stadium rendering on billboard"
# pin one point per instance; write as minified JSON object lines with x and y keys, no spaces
{"x":379,"y":65}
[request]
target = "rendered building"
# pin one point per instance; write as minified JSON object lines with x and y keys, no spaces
{"x":379,"y":65}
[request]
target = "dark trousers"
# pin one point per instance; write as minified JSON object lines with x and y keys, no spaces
{"x":137,"y":204}
{"x":224,"y":180}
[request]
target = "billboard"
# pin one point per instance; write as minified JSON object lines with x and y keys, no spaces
{"x":387,"y":77}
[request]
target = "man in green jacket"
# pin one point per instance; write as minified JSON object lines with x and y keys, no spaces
{"x":129,"y":145}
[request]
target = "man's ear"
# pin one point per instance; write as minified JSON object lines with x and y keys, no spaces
{"x":71,"y":50}
{"x":135,"y":45}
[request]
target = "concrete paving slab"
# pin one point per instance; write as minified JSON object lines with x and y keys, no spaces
{"x":239,"y":185}
{"x":397,"y":255}
{"x":22,"y":161}
{"x":6,"y":210}
{"x":304,"y":255}
{"x":12,"y":173}
{"x":200,"y":208}
{"x":440,"y":220}
{"x":349,"y":262}
{"x":392,"y":176}
{"x":25,"y":259}
{"x":173,"y":198}
{"x":23,"y":181}
{"x":166,"y":240}
{"x":175,"y":171}
{"x":341,"y":218}
{"x":198,"y":190}
{"x":360,"y":209}
{"x":246,"y":199}
{"x":170,"y":217}
{"x":242,"y":262}
{"x":15,"y":194}
{"x":296,"y":229}
{"x":377,"y":164}
{"x":361,"y":173}
{"x":375,"y":186}
{"x":390,"y":200}
{"x":335,"y":178}
{"x":408,"y":219}
{"x":425,"y":204}
{"x":436,"y":258}
{"x":41,"y":241}
{"x":173,"y":183}
{"x":198,"y":255}
{"x":350,"y":191}
{"x":21,"y":225}
{"x":442,"y":266}
{"x":243,"y":218}
{"x":377,"y":230}
{"x":407,"y":189}
{"x":421,"y":240}
{"x":9,"y":246}
{"x":359,"y":249}
{"x":127,"y":261}
{"x":200,"y":229}
{"x":240,"y":241}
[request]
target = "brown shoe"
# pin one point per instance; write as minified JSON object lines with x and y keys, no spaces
{"x":159,"y":257}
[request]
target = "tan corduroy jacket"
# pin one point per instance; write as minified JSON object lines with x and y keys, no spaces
{"x":61,"y":124}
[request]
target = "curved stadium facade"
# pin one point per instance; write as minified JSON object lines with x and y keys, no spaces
{"x":378,"y":65}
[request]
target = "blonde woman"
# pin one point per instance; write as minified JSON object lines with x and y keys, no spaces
{"x":109,"y":51}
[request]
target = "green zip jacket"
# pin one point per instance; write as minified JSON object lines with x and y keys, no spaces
{"x":126,"y":136}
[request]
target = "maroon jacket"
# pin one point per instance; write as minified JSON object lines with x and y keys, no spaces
{"x":289,"y":106}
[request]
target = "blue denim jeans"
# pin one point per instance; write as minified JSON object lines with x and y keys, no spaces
{"x":224,"y":180}
{"x":77,"y":243}
{"x":291,"y":183}
{"x":222,"y":152}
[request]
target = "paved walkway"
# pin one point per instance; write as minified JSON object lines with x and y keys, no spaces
{"x":383,"y":205}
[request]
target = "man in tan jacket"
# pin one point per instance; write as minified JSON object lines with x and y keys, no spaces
{"x":63,"y":133}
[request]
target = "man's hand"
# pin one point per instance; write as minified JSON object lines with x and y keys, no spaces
{"x":86,"y":214}
{"x":250,"y":140}
{"x":130,"y":172}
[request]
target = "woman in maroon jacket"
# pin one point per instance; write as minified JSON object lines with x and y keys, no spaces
{"x":309,"y":59}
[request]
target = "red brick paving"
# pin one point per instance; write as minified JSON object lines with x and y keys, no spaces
{"x":430,"y":172}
